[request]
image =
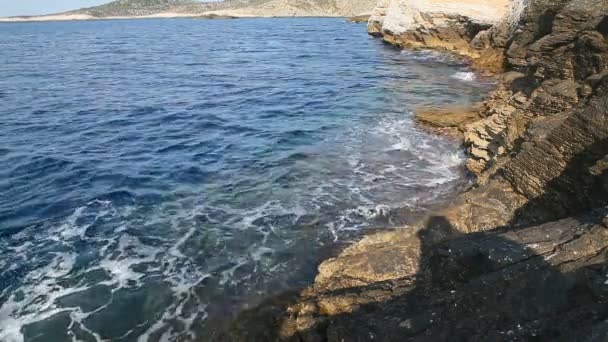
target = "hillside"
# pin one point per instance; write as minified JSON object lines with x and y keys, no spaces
{"x":139,"y":8}
{"x":136,"y":8}
{"x":288,"y":8}
{"x":190,"y":8}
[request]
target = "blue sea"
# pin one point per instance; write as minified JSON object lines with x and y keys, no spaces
{"x":157,"y":176}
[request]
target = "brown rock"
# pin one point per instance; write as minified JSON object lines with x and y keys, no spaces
{"x":449,"y":120}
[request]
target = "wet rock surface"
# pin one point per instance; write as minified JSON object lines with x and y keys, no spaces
{"x":521,"y":256}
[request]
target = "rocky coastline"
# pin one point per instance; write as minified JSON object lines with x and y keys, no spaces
{"x":523,"y":254}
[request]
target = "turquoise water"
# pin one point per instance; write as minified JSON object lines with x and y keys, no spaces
{"x":157,"y":175}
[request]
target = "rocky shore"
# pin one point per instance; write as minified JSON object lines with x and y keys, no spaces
{"x":522,"y":255}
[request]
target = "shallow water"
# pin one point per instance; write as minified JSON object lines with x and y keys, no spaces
{"x":159,"y":174}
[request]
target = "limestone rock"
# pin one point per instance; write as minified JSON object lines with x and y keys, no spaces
{"x":402,"y":16}
{"x":442,"y":24}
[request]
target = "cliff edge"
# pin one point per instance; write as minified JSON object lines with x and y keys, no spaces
{"x":523,"y":254}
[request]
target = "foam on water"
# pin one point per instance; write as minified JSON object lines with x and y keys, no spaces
{"x":38,"y":296}
{"x":465,"y":76}
{"x":250,"y":240}
{"x":393,"y":166}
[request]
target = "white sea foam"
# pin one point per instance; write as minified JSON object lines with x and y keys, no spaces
{"x":410,"y":158}
{"x":466,"y":76}
{"x":235,"y":245}
{"x":39,"y":297}
{"x":42,"y":287}
{"x":131,"y":252}
{"x":403,"y":144}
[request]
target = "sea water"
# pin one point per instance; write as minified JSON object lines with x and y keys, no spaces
{"x":156,"y":175}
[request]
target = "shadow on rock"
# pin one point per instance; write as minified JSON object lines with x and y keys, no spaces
{"x":543,"y":283}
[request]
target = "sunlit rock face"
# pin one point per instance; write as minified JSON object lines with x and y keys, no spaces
{"x":460,"y":27}
{"x":400,"y":16}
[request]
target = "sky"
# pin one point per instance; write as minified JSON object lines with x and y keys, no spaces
{"x":35,"y":7}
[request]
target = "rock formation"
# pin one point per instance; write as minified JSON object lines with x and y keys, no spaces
{"x":448,"y":25}
{"x":522,"y":255}
{"x":447,"y":120}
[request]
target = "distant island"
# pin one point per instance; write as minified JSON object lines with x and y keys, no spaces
{"x":134,"y":9}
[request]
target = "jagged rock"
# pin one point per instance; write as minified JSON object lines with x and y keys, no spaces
{"x":542,"y":137}
{"x":559,"y":46}
{"x":442,"y":24}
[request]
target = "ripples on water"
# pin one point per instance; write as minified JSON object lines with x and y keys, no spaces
{"x":160,"y":174}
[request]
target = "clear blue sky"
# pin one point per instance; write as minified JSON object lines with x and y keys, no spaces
{"x":33,"y":7}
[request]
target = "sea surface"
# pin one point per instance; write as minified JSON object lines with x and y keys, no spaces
{"x":157,"y":176}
